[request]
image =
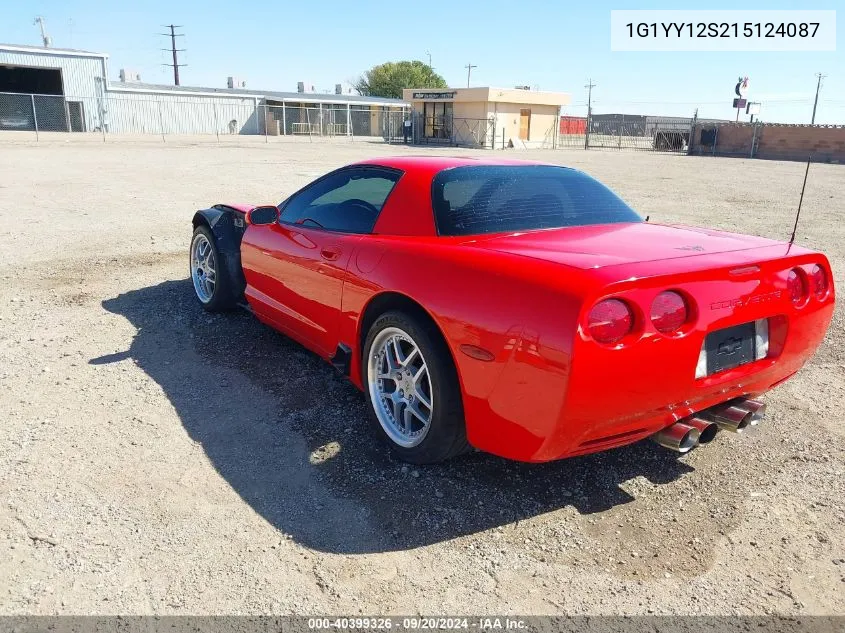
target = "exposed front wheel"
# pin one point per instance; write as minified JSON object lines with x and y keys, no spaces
{"x":412,"y":389}
{"x":212,"y":284}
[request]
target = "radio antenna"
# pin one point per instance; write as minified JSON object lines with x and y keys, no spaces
{"x":800,"y":200}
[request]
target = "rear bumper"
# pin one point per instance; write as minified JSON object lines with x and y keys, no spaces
{"x":601,"y":397}
{"x":597,"y":436}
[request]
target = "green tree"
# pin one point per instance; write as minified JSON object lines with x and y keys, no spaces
{"x":388,"y":80}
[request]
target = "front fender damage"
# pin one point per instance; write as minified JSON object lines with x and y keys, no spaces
{"x":228,"y":226}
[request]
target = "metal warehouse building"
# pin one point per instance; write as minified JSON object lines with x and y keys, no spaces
{"x":67,"y":90}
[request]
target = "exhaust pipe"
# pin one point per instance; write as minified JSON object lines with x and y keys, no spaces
{"x":707,"y":429}
{"x":736,"y":415}
{"x":756,"y":408}
{"x":679,"y":437}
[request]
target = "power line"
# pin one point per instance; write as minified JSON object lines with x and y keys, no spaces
{"x":173,"y":35}
{"x":664,"y":102}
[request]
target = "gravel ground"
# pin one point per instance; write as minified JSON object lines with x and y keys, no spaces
{"x":155,"y":459}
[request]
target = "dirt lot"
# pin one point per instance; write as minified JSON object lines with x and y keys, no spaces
{"x":155,"y":459}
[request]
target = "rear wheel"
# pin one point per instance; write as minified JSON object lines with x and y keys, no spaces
{"x":212,"y":285}
{"x":412,"y":389}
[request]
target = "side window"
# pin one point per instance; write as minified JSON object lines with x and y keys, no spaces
{"x":347,"y":201}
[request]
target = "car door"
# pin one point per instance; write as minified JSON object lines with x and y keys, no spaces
{"x":305,"y":255}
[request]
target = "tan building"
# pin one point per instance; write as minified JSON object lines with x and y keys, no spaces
{"x":483,"y":117}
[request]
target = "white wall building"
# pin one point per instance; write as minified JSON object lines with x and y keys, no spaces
{"x":69,"y":90}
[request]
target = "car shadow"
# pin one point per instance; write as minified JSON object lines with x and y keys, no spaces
{"x":293,"y":439}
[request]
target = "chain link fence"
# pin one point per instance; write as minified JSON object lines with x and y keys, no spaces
{"x":453,"y":131}
{"x":639,"y":132}
{"x":46,"y":113}
{"x":214,"y":118}
{"x":229,"y":118}
{"x":623,"y":132}
{"x":571,"y":132}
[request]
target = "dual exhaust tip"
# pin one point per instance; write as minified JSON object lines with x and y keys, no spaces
{"x":733,"y":416}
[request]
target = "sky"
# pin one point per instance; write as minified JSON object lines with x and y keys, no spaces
{"x":552,"y":45}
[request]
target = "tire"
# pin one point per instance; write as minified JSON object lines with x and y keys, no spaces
{"x":203,"y":258}
{"x":412,"y":439}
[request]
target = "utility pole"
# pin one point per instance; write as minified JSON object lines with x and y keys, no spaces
{"x":429,"y":59}
{"x":816,"y":102}
{"x":46,"y":39}
{"x":469,"y":68}
{"x":589,"y":88}
{"x":173,"y":35}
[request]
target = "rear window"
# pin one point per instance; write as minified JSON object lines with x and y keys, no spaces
{"x":502,"y":198}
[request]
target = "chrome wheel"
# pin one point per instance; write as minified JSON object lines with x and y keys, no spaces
{"x":203,"y":271}
{"x":400,"y":387}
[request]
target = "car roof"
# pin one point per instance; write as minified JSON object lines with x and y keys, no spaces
{"x":434,"y":164}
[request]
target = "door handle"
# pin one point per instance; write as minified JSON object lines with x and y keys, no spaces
{"x":331,"y":253}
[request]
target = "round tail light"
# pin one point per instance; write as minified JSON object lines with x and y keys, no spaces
{"x":668,"y":312}
{"x":818,"y":281}
{"x":610,"y":320}
{"x":797,"y":286}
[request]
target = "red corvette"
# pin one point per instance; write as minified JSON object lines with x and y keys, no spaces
{"x":522,"y":309}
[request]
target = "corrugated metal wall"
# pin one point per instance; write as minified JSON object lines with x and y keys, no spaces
{"x":78,"y":73}
{"x":91,"y":103}
{"x":152,"y":113}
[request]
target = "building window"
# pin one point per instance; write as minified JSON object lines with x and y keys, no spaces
{"x":438,"y":120}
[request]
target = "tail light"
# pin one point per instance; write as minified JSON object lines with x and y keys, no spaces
{"x":818,"y":281}
{"x":610,"y":320}
{"x":668,"y":312}
{"x":797,"y":286}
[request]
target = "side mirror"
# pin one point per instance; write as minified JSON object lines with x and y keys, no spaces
{"x":263,"y":215}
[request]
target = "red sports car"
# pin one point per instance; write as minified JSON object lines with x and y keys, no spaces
{"x":519,"y":308}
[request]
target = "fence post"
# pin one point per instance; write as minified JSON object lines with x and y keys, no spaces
{"x":587,"y":131}
{"x":160,"y":120}
{"x":216,"y":122}
{"x":308,"y":120}
{"x":34,"y":116}
{"x":753,"y":139}
{"x":619,"y":130}
{"x":348,"y":121}
{"x":692,"y":127}
{"x":265,"y":106}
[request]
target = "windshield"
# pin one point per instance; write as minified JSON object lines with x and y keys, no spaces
{"x":503,"y":198}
